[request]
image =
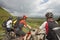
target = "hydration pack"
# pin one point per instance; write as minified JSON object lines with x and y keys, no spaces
{"x":54,"y":27}
{"x":16,"y":22}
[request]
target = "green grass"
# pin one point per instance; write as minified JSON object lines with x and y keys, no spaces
{"x":35,"y":22}
{"x":3,"y":16}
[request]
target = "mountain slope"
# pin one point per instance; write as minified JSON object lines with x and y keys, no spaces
{"x":3,"y":16}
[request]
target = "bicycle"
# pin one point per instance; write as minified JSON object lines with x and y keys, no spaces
{"x":40,"y":35}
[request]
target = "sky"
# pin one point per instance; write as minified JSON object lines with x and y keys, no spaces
{"x":31,"y":8}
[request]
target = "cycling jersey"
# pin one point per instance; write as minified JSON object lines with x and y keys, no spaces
{"x":9,"y":23}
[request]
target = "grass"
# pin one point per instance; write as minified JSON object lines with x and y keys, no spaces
{"x":3,"y":16}
{"x":35,"y":22}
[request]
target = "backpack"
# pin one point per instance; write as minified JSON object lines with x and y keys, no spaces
{"x":4,"y":24}
{"x":51,"y":26}
{"x":16,"y":22}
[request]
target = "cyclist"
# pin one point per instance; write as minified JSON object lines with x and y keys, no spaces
{"x":22,"y":23}
{"x":9,"y":25}
{"x":48,"y":26}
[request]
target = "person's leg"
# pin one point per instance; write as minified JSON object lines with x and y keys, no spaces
{"x":27,"y":36}
{"x":20,"y":34}
{"x":8,"y":30}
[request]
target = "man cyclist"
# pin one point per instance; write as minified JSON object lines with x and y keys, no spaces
{"x":9,"y":25}
{"x":22,"y":23}
{"x":48,"y":26}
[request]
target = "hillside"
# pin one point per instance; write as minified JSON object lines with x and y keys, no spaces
{"x":3,"y":16}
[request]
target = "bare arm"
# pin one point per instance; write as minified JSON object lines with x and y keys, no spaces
{"x":27,"y":26}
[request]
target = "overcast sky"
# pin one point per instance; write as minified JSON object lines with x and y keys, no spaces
{"x":31,"y":7}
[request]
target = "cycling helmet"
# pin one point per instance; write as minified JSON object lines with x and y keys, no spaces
{"x":24,"y":16}
{"x":49,"y":15}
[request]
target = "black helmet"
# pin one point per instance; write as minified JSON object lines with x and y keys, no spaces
{"x":11,"y":17}
{"x":49,"y":15}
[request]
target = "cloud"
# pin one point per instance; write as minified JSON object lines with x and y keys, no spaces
{"x":31,"y":7}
